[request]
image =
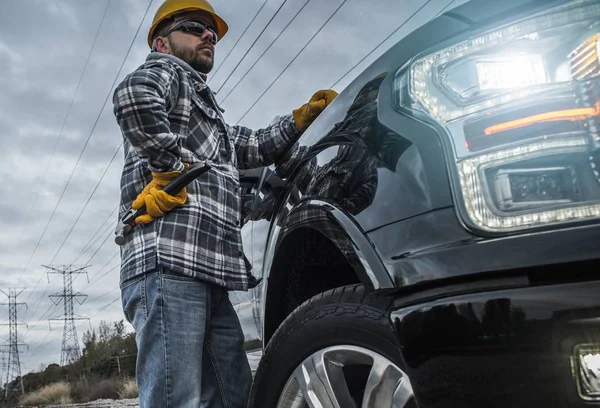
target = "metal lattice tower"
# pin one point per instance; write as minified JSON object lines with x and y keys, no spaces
{"x":13,"y":366}
{"x":2,"y":364}
{"x":70,"y":352}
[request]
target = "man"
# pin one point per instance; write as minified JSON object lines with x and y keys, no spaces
{"x":178,"y":265}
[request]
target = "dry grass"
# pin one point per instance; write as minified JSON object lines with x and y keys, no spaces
{"x":56,"y":394}
{"x":62,"y":393}
{"x":128,"y":389}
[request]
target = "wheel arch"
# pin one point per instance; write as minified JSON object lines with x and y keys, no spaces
{"x":318,"y":248}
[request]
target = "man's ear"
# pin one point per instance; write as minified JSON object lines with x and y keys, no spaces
{"x":161,"y":44}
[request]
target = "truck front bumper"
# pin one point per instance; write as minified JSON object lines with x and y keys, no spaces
{"x":536,"y":346}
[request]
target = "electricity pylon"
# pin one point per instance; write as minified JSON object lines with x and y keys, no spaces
{"x":13,"y":366}
{"x":70,"y":352}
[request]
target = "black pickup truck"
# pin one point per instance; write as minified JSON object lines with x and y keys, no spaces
{"x":438,"y":242}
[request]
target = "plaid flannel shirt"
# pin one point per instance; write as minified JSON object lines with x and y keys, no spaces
{"x":168,"y":116}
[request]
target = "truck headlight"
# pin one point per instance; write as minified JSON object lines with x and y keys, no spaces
{"x":521,"y":105}
{"x":510,"y":72}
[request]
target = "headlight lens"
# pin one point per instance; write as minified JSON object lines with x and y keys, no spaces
{"x":510,"y":72}
{"x":522,"y":106}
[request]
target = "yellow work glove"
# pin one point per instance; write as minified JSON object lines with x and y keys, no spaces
{"x":158,"y":202}
{"x":307,"y":113}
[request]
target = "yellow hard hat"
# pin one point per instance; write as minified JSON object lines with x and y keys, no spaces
{"x":171,"y":7}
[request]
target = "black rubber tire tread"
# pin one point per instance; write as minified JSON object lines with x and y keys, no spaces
{"x":345,"y":315}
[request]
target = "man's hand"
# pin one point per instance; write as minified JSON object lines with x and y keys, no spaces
{"x":307,"y":113}
{"x":157,"y":202}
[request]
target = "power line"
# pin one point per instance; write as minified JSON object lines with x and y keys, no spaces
{"x":37,"y":303}
{"x":87,"y":202}
{"x":90,"y":282}
{"x":87,"y":60}
{"x":46,"y":343}
{"x":41,"y":297}
{"x":51,"y":310}
{"x":292,"y":61}
{"x":238,"y":40}
{"x":90,"y":135}
{"x":445,"y":8}
{"x":348,"y":29}
{"x":102,"y":309}
{"x":105,"y":294}
{"x":95,"y":124}
{"x":381,"y":43}
{"x":265,"y":51}
{"x":98,"y":249}
{"x":96,"y":236}
{"x":252,"y":46}
{"x":35,"y":351}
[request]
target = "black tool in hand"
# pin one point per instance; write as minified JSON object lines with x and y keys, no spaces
{"x":127,"y":223}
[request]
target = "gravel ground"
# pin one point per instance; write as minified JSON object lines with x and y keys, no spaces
{"x":104,"y":403}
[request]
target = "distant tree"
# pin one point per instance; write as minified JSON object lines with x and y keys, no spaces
{"x":90,"y":350}
{"x":107,"y":351}
{"x":52,"y":373}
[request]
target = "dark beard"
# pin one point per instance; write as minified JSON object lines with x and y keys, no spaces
{"x":199,"y":63}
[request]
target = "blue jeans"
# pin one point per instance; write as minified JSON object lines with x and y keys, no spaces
{"x":190,"y":343}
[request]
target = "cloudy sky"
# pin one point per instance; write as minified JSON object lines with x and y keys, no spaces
{"x":60,"y":144}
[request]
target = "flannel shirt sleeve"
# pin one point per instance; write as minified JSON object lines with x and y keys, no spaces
{"x":141,"y":105}
{"x":259,"y":148}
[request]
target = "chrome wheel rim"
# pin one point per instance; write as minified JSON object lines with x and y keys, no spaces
{"x":325,"y":380}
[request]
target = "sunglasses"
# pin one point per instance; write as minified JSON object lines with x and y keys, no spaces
{"x":194,"y":27}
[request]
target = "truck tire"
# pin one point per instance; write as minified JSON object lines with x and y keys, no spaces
{"x":326,"y":350}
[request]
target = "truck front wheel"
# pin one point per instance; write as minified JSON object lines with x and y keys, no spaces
{"x":335,"y":350}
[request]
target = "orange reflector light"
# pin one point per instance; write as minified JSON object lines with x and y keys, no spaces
{"x":584,"y":59}
{"x":573,"y":115}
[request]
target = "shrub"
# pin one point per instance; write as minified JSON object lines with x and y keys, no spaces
{"x":104,"y":389}
{"x":80,"y":389}
{"x":56,"y":393}
{"x":129,"y":388}
{"x":93,"y":388}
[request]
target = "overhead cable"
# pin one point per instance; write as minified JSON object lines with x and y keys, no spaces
{"x":381,"y":43}
{"x":45,"y":173}
{"x":292,"y":61}
{"x":89,"y":137}
{"x":251,"y":46}
{"x":237,"y":42}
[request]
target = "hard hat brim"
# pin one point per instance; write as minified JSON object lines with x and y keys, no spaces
{"x":221,"y":25}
